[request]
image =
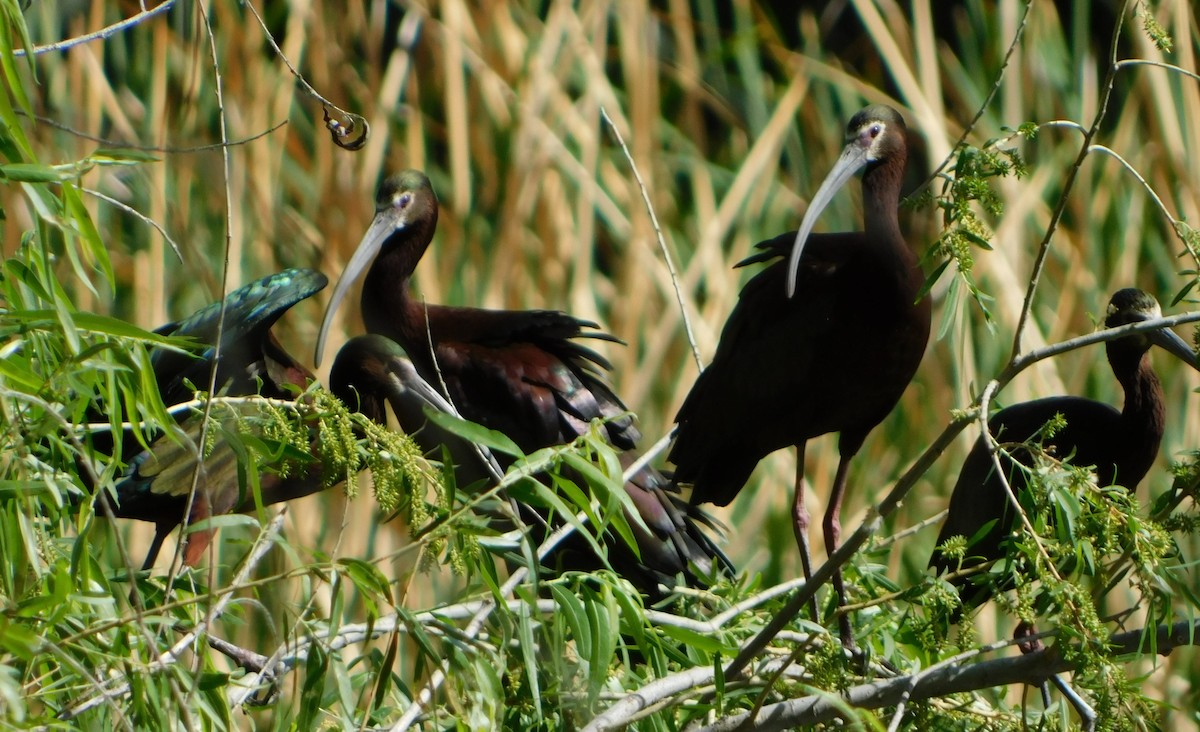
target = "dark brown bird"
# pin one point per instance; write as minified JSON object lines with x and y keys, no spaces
{"x":372,"y":371}
{"x":522,"y":373}
{"x":158,"y":481}
{"x":1121,"y":445}
{"x":823,"y":342}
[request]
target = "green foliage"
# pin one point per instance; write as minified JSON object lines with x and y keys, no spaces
{"x":362,"y":602}
{"x":967,"y":184}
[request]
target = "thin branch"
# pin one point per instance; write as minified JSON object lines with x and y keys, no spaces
{"x":662,"y":244}
{"x":195,"y":404}
{"x":1176,"y":225}
{"x":1129,"y":62}
{"x":755,"y":601}
{"x":134,"y":212}
{"x":1012,"y":47}
{"x":952,"y":679}
{"x":101,"y":34}
{"x":346,"y":635}
{"x":352,"y":131}
{"x":124,"y":145}
{"x":994,"y":451}
{"x":1024,"y":361}
{"x":206,"y":421}
{"x":914,"y":529}
{"x":261,"y":546}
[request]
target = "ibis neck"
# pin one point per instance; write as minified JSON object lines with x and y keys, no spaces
{"x":1143,"y":419}
{"x":881,"y":201}
{"x":387,"y":308}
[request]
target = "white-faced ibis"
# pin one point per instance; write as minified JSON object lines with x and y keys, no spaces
{"x":823,"y":342}
{"x":372,"y":370}
{"x":522,"y":373}
{"x":158,"y":481}
{"x":1121,"y":445}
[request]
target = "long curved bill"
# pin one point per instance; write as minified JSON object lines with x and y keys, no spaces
{"x":406,"y":382}
{"x":852,"y":159}
{"x":1167,"y":340}
{"x":412,"y":398}
{"x":369,"y":247}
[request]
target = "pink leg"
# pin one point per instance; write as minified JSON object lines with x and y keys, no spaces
{"x":800,"y":525}
{"x":833,"y":533}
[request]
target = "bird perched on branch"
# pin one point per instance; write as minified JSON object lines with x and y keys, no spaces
{"x":522,"y":373}
{"x":1121,"y":445}
{"x":158,"y":484}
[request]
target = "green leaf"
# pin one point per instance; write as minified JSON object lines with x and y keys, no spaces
{"x":480,"y":435}
{"x":19,"y":376}
{"x":550,"y":499}
{"x":122,"y":156}
{"x":99,"y":325}
{"x":702,"y":641}
{"x":529,"y":650}
{"x":572,"y":610}
{"x":367,"y":577}
{"x":20,"y":641}
{"x":35,"y":173}
{"x":312,"y":694}
{"x":211,"y":680}
{"x":383,"y":679}
{"x":600,"y":614}
{"x":86,"y":229}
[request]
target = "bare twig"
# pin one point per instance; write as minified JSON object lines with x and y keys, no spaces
{"x":101,"y":34}
{"x":167,"y":149}
{"x":138,"y":214}
{"x":662,"y":244}
{"x":227,"y":176}
{"x":350,"y":132}
{"x":1012,"y":47}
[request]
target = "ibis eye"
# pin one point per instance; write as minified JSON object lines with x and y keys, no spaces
{"x":404,"y":200}
{"x":876,"y":130}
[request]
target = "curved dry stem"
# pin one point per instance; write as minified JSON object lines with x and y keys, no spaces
{"x":350,"y":132}
{"x":662,"y":244}
{"x":1176,"y":225}
{"x":168,"y":149}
